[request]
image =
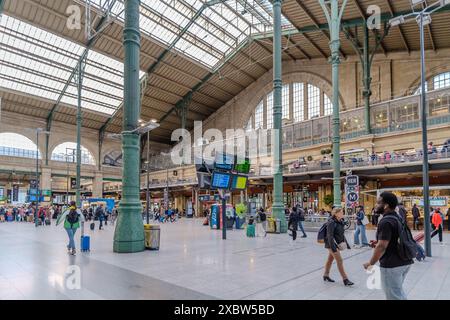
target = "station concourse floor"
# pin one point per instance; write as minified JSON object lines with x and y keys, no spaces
{"x":195,"y":263}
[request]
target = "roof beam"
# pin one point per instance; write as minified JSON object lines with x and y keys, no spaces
{"x":402,"y":35}
{"x":363,"y":15}
{"x":429,"y":30}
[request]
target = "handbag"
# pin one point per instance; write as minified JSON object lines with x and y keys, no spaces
{"x":365,"y":221}
{"x":342,"y":246}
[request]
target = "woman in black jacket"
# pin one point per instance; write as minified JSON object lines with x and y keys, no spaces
{"x":334,"y":242}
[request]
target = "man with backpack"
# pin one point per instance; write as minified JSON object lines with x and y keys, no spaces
{"x":394,"y":248}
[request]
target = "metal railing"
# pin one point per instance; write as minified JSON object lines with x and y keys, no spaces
{"x":17,"y":152}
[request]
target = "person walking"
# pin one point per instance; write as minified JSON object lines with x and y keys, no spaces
{"x":448,"y":219}
{"x":437,"y":223}
{"x":335,"y":242}
{"x":403,"y":212}
{"x":293,"y":222}
{"x":361,"y":222}
{"x":393,"y":266}
{"x":72,"y":218}
{"x":416,"y":217}
{"x":301,"y":218}
{"x":263,"y":222}
{"x":99,"y":214}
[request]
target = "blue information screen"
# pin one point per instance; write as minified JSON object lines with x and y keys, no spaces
{"x":224,"y":161}
{"x":220,"y":180}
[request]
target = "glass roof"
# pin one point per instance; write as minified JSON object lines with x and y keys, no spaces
{"x":39,"y":63}
{"x":214,"y":34}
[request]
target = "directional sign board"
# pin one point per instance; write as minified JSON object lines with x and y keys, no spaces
{"x":351,"y":190}
{"x":352,"y":181}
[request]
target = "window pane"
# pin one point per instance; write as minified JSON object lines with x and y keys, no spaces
{"x":298,"y":102}
{"x":285,"y":101}
{"x":259,"y":116}
{"x":441,"y":81}
{"x":327,"y":105}
{"x":270,"y":111}
{"x":313,"y":101}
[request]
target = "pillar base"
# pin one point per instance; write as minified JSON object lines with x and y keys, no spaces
{"x":278,"y":213}
{"x":129,"y":233}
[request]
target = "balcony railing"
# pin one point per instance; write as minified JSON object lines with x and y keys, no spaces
{"x":17,"y":152}
{"x":390,"y":116}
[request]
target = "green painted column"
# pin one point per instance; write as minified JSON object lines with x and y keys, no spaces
{"x":277,"y":205}
{"x":334,"y":21}
{"x":129,"y":233}
{"x":367,"y":93}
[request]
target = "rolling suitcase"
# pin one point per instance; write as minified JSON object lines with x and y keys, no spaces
{"x":85,"y":240}
{"x":92,"y":226}
{"x":419,"y":237}
{"x":47,"y":222}
{"x":251,"y":230}
{"x":420,"y":253}
{"x":85,"y":243}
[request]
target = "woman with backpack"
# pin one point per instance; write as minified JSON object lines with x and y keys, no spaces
{"x":335,"y":242}
{"x":72,"y":218}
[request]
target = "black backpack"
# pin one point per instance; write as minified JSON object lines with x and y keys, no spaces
{"x":72,"y":217}
{"x":406,"y":245}
{"x":322,"y":234}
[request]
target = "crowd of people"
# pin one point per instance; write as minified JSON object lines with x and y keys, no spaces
{"x":26,"y":213}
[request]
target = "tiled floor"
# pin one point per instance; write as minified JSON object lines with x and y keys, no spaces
{"x":194,"y":263}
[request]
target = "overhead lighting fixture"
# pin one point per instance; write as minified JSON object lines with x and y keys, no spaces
{"x":154,"y":120}
{"x":426,"y":19}
{"x":397,"y":21}
{"x":414,"y":3}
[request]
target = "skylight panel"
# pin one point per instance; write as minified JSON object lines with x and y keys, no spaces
{"x":40,"y":63}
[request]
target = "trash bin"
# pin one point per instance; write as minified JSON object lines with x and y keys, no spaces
{"x":152,"y":236}
{"x":277,"y":226}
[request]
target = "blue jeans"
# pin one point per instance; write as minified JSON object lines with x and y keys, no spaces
{"x":300,"y":225}
{"x":360,"y":229}
{"x":392,"y":280}
{"x":71,"y":233}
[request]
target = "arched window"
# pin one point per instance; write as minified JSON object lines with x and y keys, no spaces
{"x":308,"y":102}
{"x":67,"y":152}
{"x":17,"y":145}
{"x":437,"y":82}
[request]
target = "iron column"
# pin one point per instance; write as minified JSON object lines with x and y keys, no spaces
{"x":36,"y":218}
{"x":423,"y":105}
{"x":147,"y":194}
{"x":367,"y":79}
{"x":129,"y":233}
{"x":334,"y":21}
{"x":79,"y":88}
{"x":277,"y":206}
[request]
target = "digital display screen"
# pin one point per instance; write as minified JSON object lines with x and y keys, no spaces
{"x":220,"y":180}
{"x":239,"y":182}
{"x":224,"y":161}
{"x":243,"y":167}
